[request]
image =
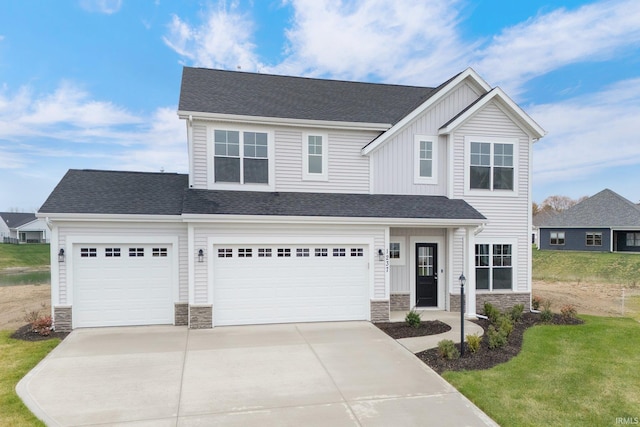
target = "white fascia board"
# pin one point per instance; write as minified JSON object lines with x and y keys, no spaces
{"x":82,"y":217}
{"x":468,"y":73}
{"x":324,"y":124}
{"x":422,"y":222}
{"x":534,"y":128}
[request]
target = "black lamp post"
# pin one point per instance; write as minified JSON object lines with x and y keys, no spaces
{"x":463,"y":280}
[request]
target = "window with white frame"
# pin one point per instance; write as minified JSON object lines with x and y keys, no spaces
{"x":556,"y":238}
{"x":633,"y":239}
{"x":491,"y":164}
{"x":240,"y":157}
{"x":425,"y":168}
{"x":594,"y":239}
{"x":315,"y":157}
{"x":494,"y":267}
{"x":396,"y":251}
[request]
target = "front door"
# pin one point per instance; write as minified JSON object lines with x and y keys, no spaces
{"x":426,"y":274}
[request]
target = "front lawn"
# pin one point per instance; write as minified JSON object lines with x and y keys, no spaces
{"x":16,"y":359}
{"x":565,"y":375}
{"x":26,"y":255}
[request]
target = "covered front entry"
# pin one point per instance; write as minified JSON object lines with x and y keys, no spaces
{"x":262,"y":283}
{"x":426,"y":271}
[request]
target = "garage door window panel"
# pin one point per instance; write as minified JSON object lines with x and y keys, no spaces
{"x":88,"y":252}
{"x":321,"y":252}
{"x":245,"y":253}
{"x":136,"y":252}
{"x":284,"y":252}
{"x":112,"y":252}
{"x":225,"y":253}
{"x":302,"y":252}
{"x":264,"y":253}
{"x":339,"y":252}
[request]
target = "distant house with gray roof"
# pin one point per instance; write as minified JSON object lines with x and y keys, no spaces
{"x":605,"y":222}
{"x":22,"y":227}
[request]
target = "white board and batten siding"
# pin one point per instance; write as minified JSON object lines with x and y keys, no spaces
{"x":507,"y":213}
{"x":72,"y":233}
{"x":393,"y":161}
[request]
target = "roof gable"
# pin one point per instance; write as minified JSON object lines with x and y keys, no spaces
{"x":235,"y":93}
{"x":17,"y":219}
{"x":604,"y":209}
{"x":497,"y":94}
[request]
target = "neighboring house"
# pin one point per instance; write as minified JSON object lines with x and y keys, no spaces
{"x":19,"y":227}
{"x":306,"y":200}
{"x":538,"y":219}
{"x":605,"y":222}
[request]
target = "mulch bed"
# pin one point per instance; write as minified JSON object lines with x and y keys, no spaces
{"x":25,"y":333}
{"x":485,"y":357}
{"x":397,"y":330}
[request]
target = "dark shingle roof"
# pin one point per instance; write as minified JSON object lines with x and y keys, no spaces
{"x":111,"y":192}
{"x":327,"y":205}
{"x":605,"y":209}
{"x":16,"y":219}
{"x":266,"y":95}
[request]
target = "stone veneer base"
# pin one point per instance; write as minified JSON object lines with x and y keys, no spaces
{"x":62,"y":320}
{"x":200,"y":316}
{"x":380,"y":311}
{"x":400,"y":302}
{"x":502,"y":301}
{"x":181,"y":314}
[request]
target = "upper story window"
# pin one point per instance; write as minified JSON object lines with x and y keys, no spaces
{"x":425,"y":166}
{"x":315,"y":157}
{"x":241,"y":157}
{"x":491,"y":165}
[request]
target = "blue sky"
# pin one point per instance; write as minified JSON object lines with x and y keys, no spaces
{"x":95,"y":83}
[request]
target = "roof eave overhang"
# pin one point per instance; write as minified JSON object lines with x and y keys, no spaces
{"x":276,"y":219}
{"x":530,"y":125}
{"x":469,"y":73}
{"x":260,"y":120}
{"x":91,"y":217}
{"x":611,"y":227}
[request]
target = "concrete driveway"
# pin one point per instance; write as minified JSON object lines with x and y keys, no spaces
{"x":312,"y":374}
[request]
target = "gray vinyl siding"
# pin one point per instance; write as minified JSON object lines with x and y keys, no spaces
{"x":400,"y":275}
{"x":264,"y":233}
{"x":200,"y":162}
{"x":507,"y":214}
{"x":348,"y":168}
{"x":393,"y":162}
{"x":575,"y":239}
{"x":128,"y":229}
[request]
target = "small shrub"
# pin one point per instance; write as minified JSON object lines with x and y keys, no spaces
{"x":448,"y":349}
{"x":568,"y":312}
{"x":497,"y":337}
{"x":491,"y":312}
{"x":546,"y":304}
{"x":42,"y":325}
{"x":535,"y":302}
{"x":31,"y":316}
{"x":546,"y":315}
{"x":505,"y":324}
{"x":516,"y":312}
{"x":413,"y":319}
{"x":473,"y":342}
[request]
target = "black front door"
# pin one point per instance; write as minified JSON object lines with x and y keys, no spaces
{"x":426,"y":275}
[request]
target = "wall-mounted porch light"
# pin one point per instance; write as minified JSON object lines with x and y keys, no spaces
{"x":200,"y":255}
{"x":61,"y":255}
{"x":380,"y":255}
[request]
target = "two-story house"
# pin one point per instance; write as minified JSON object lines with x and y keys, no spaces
{"x":306,"y":200}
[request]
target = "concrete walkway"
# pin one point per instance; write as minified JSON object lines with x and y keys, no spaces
{"x":311,"y":374}
{"x":418,"y":344}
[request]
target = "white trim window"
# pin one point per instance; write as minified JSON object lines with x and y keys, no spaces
{"x":491,"y":164}
{"x":397,"y":251}
{"x":494,"y":267}
{"x":556,"y":238}
{"x":241,"y":157}
{"x":593,"y":238}
{"x":315,"y":155}
{"x":425,"y":166}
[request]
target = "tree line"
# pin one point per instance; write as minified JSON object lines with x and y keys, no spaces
{"x":555,"y":204}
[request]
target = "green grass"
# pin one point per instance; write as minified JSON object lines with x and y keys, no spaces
{"x":16,"y":359}
{"x":601,"y":267}
{"x":564,"y":375}
{"x":27,"y":255}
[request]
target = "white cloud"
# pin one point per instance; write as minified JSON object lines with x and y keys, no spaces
{"x":223,"y":40}
{"x":550,"y":41}
{"x":107,"y":7}
{"x":588,"y":134}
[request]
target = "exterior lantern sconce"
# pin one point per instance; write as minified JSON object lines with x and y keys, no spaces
{"x":200,"y":255}
{"x":61,"y":255}
{"x":463,"y":280}
{"x":380,"y":255}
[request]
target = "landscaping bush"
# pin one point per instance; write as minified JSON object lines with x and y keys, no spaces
{"x":568,"y":312}
{"x":497,"y":337}
{"x":516,"y":312}
{"x":491,"y":312}
{"x":505,"y":324}
{"x":535,"y":302}
{"x":473,"y":342}
{"x":448,"y":349}
{"x":546,"y":315}
{"x":413,"y":319}
{"x":42,"y":326}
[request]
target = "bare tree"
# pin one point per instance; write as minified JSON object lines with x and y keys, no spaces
{"x":559,"y":203}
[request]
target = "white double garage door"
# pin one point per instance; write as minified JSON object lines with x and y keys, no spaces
{"x":136,"y":284}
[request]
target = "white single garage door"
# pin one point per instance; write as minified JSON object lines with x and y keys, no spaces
{"x":121,"y":285}
{"x":255,"y":284}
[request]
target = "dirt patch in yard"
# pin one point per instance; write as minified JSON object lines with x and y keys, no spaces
{"x":597,"y":299}
{"x":16,"y":301}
